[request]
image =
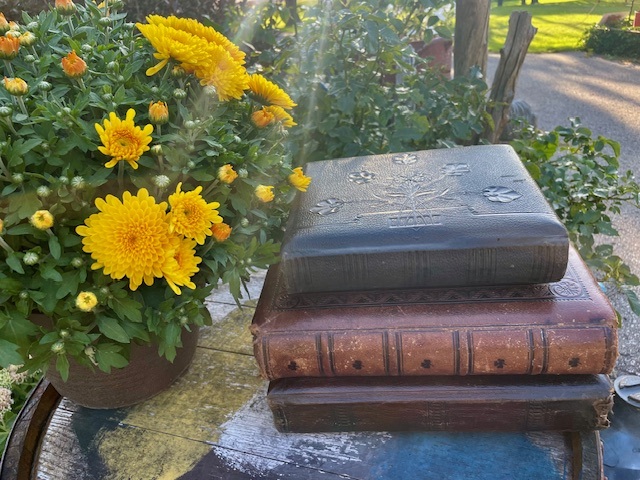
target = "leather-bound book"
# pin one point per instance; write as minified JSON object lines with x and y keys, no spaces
{"x":483,"y":403}
{"x":435,"y":218}
{"x":565,"y":327}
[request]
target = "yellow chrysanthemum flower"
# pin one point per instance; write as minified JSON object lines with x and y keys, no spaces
{"x":9,"y":47}
{"x":226,"y":174}
{"x":42,"y":219}
{"x":86,"y":301}
{"x":221,"y":71}
{"x":16,"y":86}
{"x":299,"y":180}
{"x":281,"y":115}
{"x":196,"y":28}
{"x":221,"y":231}
{"x":191,"y":215}
{"x":182,"y":46}
{"x":262,"y":118}
{"x":265,"y":193}
{"x":128,"y":238}
{"x":123,"y":140}
{"x":182,"y":265}
{"x":269,"y":93}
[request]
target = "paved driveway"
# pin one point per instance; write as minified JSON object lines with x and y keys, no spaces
{"x":605,"y":94}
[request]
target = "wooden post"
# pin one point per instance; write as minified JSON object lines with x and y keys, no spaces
{"x":512,"y":56}
{"x":470,"y":46}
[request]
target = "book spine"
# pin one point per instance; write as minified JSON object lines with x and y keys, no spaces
{"x":516,"y":264}
{"x":419,"y":352}
{"x":294,"y":416}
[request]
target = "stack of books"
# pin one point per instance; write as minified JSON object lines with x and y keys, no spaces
{"x":432,"y":290}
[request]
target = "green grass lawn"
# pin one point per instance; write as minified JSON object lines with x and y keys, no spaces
{"x":560,"y":23}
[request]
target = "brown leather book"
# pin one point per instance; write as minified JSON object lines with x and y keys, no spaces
{"x":482,"y":403}
{"x":435,"y":218}
{"x":566,"y":327}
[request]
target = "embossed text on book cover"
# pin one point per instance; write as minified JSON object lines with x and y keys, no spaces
{"x":450,"y":217}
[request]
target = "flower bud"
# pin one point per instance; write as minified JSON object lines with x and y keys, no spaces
{"x":191,"y":164}
{"x":86,"y":301}
{"x":6,"y":111}
{"x":32,"y":25}
{"x":30,"y":258}
{"x":156,"y":150}
{"x":210,"y":91}
{"x":243,"y":173}
{"x":44,"y":86}
{"x":65,"y":7}
{"x":24,"y":295}
{"x":27,"y":39}
{"x":107,"y":97}
{"x":58,"y":348}
{"x":129,"y":25}
{"x":42,"y":219}
{"x":158,"y":113}
{"x":63,"y":180}
{"x":9,"y":47}
{"x":78,"y":182}
{"x":112,"y":66}
{"x":64,"y":334}
{"x":179,"y":94}
{"x":29,"y":58}
{"x":105,"y":21}
{"x":161,"y":181}
{"x":189,"y":125}
{"x":16,"y":86}
{"x":43,"y":191}
{"x":4,"y":24}
{"x":17,"y":178}
{"x":73,"y":66}
{"x":244,"y":222}
{"x":226,"y":174}
{"x":265,"y":193}
{"x":184,"y":320}
{"x":220,"y":231}
{"x":77,"y":262}
{"x":45,"y":146}
{"x":86,"y":48}
{"x":178,"y":72}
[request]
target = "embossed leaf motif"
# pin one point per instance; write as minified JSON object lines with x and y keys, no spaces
{"x":405,"y":159}
{"x":327,"y":207}
{"x":501,"y":194}
{"x":361,"y":177}
{"x":455,"y":169}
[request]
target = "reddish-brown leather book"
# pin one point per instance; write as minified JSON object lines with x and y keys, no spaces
{"x":481,"y":403}
{"x":434,"y":218}
{"x":566,"y":327}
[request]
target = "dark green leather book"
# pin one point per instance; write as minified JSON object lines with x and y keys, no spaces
{"x":437,"y":218}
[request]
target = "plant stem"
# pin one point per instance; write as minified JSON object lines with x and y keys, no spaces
{"x":6,"y":246}
{"x":9,"y":68}
{"x":22,"y":106}
{"x":4,"y":169}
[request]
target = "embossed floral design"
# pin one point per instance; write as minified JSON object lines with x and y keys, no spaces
{"x":361,"y":177}
{"x":405,"y":159}
{"x":327,"y":207}
{"x":501,"y":194}
{"x":455,"y":169}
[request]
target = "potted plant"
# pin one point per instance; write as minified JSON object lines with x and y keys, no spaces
{"x":141,"y":165}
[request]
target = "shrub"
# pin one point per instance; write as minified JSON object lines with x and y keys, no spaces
{"x":579,"y":175}
{"x":620,"y":42}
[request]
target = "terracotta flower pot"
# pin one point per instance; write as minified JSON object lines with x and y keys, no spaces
{"x":146,"y":375}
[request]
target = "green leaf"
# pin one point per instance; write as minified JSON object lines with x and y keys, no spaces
{"x":126,"y":307}
{"x":107,"y":359}
{"x":634,"y":302}
{"x":110,"y":328}
{"x":62,"y":365}
{"x":9,"y":354}
{"x":14,"y":263}
{"x":54,"y":248}
{"x":10,"y":285}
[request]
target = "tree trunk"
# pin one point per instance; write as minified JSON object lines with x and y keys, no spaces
{"x":470,"y":46}
{"x":512,"y":56}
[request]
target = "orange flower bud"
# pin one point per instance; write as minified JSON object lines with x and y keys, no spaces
{"x":158,"y":113}
{"x":4,"y":24}
{"x":9,"y":47}
{"x":65,"y":7}
{"x":220,"y":231}
{"x":73,"y":66}
{"x":27,"y":39}
{"x":16,"y":86}
{"x":262,"y":118}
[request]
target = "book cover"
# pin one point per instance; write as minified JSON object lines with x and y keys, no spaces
{"x":482,"y":403}
{"x":450,"y":217}
{"x":565,"y":327}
